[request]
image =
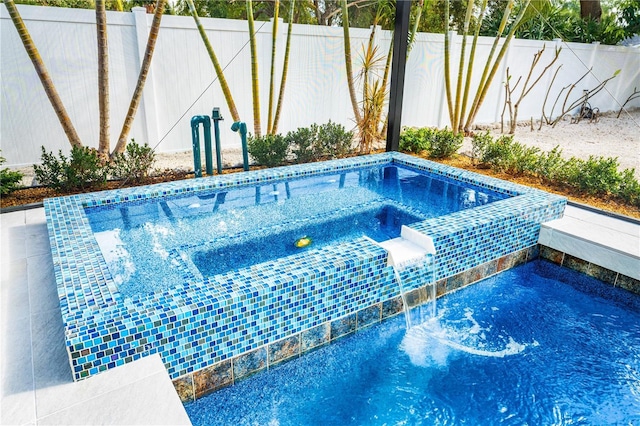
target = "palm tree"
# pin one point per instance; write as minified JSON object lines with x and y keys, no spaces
{"x":255,"y":86}
{"x":274,"y":37}
{"x":43,"y":74}
{"x":142,"y":77}
{"x":348,"y":62}
{"x":283,"y":80}
{"x":216,"y":65}
{"x":103,"y":77}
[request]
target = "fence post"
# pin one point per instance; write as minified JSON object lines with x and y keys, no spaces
{"x":150,"y":122}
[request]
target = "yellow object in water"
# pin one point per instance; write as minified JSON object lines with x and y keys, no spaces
{"x":303,"y":242}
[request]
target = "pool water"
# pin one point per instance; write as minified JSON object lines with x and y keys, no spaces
{"x":537,"y":344}
{"x":377,"y":223}
{"x":148,"y":245}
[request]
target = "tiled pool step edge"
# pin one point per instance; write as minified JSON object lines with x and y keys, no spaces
{"x":200,"y":383}
{"x":601,"y":273}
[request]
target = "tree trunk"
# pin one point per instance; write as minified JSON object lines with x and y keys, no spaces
{"x":347,"y":60}
{"x":272,"y":74}
{"x":43,"y":74}
{"x":285,"y":68}
{"x":590,"y":9}
{"x":255,"y":82}
{"x":216,"y":65}
{"x":142,"y":77}
{"x":103,"y":77}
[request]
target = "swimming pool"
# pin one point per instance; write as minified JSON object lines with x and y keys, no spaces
{"x":537,"y":344}
{"x":213,"y":328}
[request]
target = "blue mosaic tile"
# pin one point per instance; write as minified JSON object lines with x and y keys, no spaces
{"x":206,"y":320}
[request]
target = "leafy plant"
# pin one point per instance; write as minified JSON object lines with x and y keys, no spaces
{"x":445,"y":143}
{"x":479,"y":143}
{"x":134,"y":164}
{"x":629,"y":189}
{"x":551,"y":164}
{"x":84,"y":169}
{"x":416,"y":140}
{"x":9,"y":179}
{"x":303,"y":143}
{"x":269,"y":150}
{"x":333,"y":140}
{"x":596,"y":175}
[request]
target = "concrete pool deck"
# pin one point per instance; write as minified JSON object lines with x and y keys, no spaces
{"x":36,"y":384}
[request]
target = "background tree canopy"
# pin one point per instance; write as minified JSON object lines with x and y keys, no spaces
{"x":570,"y":20}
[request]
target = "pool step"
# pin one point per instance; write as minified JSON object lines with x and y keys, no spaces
{"x":410,"y":246}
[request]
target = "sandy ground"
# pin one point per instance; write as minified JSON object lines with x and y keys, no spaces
{"x":608,"y":137}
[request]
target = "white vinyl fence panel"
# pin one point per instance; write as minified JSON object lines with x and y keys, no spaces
{"x":182,"y":81}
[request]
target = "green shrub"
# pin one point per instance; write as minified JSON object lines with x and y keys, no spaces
{"x":415,"y":140}
{"x":269,"y":150}
{"x":8,"y":179}
{"x":479,"y":143}
{"x":333,"y":140}
{"x":551,"y":165}
{"x":303,"y":144}
{"x":497,"y":153}
{"x":445,"y":143}
{"x":629,"y":189}
{"x":134,"y":164}
{"x":596,"y":175}
{"x":83,"y":170}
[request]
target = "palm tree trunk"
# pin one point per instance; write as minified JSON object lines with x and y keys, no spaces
{"x":455,"y":126}
{"x":103,"y":77}
{"x":348,"y":63}
{"x":142,"y":77}
{"x":274,"y":39}
{"x":447,"y":63}
{"x":416,"y":24}
{"x":43,"y":74}
{"x":255,"y":78}
{"x":472,"y":55}
{"x":216,"y":65}
{"x":285,"y":68}
{"x":385,"y":80}
{"x":484,"y":88}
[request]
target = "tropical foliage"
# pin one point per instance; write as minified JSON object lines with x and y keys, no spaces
{"x":9,"y":179}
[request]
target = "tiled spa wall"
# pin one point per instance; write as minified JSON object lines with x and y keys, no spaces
{"x":599,"y":272}
{"x":202,"y":325}
{"x":470,"y":246}
{"x":202,"y":382}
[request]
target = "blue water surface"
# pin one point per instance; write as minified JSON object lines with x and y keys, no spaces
{"x":137,"y":239}
{"x":534,"y":345}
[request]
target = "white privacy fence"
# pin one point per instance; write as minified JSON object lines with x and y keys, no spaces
{"x":182,"y":81}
